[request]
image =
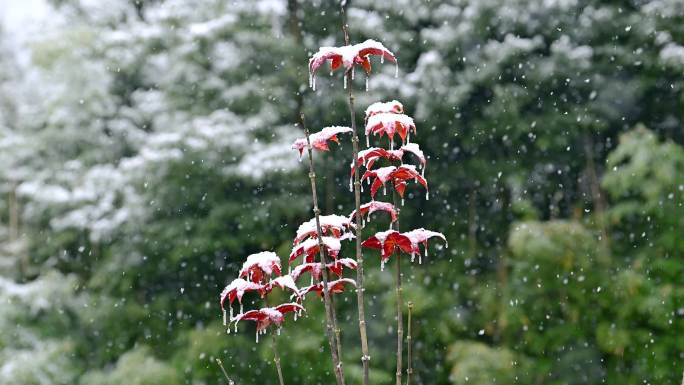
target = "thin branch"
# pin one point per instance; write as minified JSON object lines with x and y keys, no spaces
{"x":598,"y":200}
{"x":331,"y":323}
{"x":409,"y":343}
{"x":360,"y":289}
{"x":276,"y":359}
{"x":400,"y":302}
{"x":225,"y":374}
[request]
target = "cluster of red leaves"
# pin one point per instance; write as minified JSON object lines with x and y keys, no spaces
{"x":409,"y":242}
{"x":260,"y":273}
{"x":398,"y":176}
{"x":319,"y":140}
{"x":348,"y":56}
{"x":335,"y":228}
{"x":269,"y":315}
{"x":388,"y":119}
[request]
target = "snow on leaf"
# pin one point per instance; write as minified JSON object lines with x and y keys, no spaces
{"x":310,"y":248}
{"x":397,"y":175}
{"x":319,"y":140}
{"x":314,"y":268}
{"x":338,"y":265}
{"x":289,"y":308}
{"x":373,"y":206}
{"x":389,"y":124}
{"x":334,"y":287}
{"x":421,"y":236}
{"x":263,"y":317}
{"x":260,"y":265}
{"x":331,"y":225}
{"x":283,"y":282}
{"x":237,"y":289}
{"x":409,"y":242}
{"x":387,"y":242}
{"x":368,"y":157}
{"x":347,"y":56}
{"x":392,"y":107}
{"x":414,"y":149}
{"x":268,"y":315}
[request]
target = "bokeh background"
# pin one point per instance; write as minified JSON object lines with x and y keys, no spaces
{"x":144,"y":152}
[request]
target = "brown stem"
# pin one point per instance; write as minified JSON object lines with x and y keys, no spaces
{"x":472,"y":222}
{"x":365,"y":355}
{"x":409,"y":368}
{"x":276,"y":359}
{"x":276,"y":354}
{"x":597,"y":198}
{"x":400,"y":303}
{"x":225,"y":374}
{"x":329,"y":310}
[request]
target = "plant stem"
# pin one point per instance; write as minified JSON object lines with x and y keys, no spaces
{"x":276,"y":359}
{"x":276,"y":354}
{"x":400,"y":302}
{"x":331,"y":324}
{"x":409,"y":369}
{"x":365,"y":355}
{"x":598,"y":200}
{"x":225,"y":374}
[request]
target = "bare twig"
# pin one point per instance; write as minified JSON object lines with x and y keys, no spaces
{"x":409,"y":343}
{"x":276,"y":359}
{"x":400,"y":302}
{"x":225,"y":374}
{"x":365,"y":355}
{"x":598,"y":199}
{"x":331,"y":323}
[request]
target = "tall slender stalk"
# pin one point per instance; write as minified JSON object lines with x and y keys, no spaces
{"x":598,"y":200}
{"x":276,"y":359}
{"x":225,"y":374}
{"x":400,"y":302}
{"x":365,"y":355}
{"x":331,"y":323}
{"x":409,"y":343}
{"x":276,"y":354}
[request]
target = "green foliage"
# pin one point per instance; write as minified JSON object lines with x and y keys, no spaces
{"x":478,"y":364}
{"x":136,"y":367}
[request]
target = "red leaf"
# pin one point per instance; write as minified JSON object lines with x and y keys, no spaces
{"x":335,"y":287}
{"x":283,"y":282}
{"x":314,"y":268}
{"x":421,"y":236}
{"x":319,"y":140}
{"x":389,"y":124}
{"x":290,"y":307}
{"x":398,"y":175}
{"x":373,"y":206}
{"x":237,"y":289}
{"x":368,"y":157}
{"x":393,"y":107}
{"x":263,"y":317}
{"x":337,"y":266}
{"x":261,"y":265}
{"x":310,"y":248}
{"x":331,"y":225}
{"x":349,"y":55}
{"x":388,"y":241}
